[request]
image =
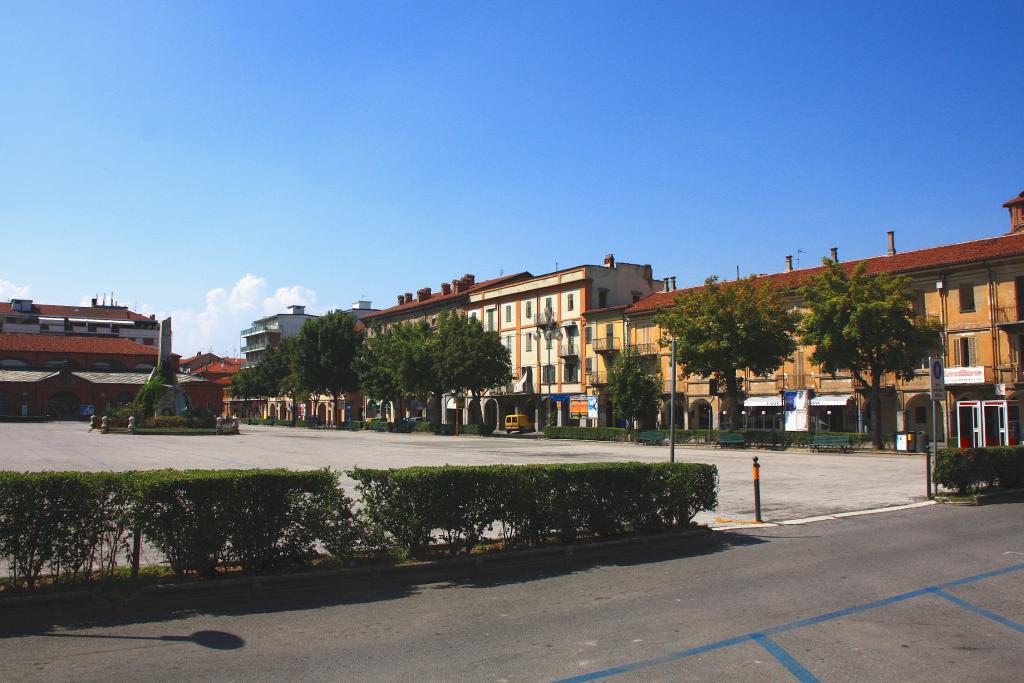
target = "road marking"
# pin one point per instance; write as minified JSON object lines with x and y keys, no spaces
{"x":785,"y":659}
{"x":979,"y":610}
{"x":810,"y":621}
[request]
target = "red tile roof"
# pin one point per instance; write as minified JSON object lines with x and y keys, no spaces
{"x":1016,"y":200}
{"x":437,"y":297}
{"x":218,"y":366}
{"x":906,"y":262}
{"x":53,"y":344}
{"x":91,"y":312}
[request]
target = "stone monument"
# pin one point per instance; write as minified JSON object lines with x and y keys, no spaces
{"x":173,"y":400}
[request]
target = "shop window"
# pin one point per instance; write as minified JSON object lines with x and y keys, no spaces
{"x":966,"y":298}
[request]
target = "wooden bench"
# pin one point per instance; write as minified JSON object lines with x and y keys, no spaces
{"x":831,"y":442}
{"x":733,"y":440}
{"x":650,"y":438}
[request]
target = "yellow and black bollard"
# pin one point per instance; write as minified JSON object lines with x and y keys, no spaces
{"x":757,"y":492}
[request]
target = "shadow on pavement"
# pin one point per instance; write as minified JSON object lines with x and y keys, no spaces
{"x":315,"y":594}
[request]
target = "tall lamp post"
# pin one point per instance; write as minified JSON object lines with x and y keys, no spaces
{"x":548,"y":330}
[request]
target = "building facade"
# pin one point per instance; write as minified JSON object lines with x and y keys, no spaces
{"x":24,"y":316}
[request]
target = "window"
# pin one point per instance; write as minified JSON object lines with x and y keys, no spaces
{"x":528,"y":342}
{"x":508,"y":313}
{"x":920,"y":415}
{"x":490,"y":319}
{"x":609,"y":331}
{"x":571,"y":302}
{"x":965,"y":351}
{"x":472,"y":314}
{"x":589,"y":333}
{"x":590,"y":364}
{"x":570,"y":373}
{"x":966,"y":297}
{"x":549,"y":374}
{"x":602,"y":298}
{"x":508,"y":343}
{"x":548,"y":344}
{"x":529,"y":309}
{"x":547,"y":304}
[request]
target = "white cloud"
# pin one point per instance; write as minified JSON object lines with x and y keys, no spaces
{"x":216,"y":326}
{"x":9,"y":290}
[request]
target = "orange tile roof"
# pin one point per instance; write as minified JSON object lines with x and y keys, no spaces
{"x":218,"y":366}
{"x":93,"y":312}
{"x":902,"y":262}
{"x":436,"y":297}
{"x":1016,"y":200}
{"x":10,"y":341}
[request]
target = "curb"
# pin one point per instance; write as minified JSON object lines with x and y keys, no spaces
{"x":826,"y":518}
{"x":174,"y":595}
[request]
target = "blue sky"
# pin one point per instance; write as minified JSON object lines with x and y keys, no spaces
{"x":219,"y":160}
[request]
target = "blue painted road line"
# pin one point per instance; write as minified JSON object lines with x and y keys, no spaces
{"x":979,"y":610}
{"x":801,"y":623}
{"x":784,"y":658}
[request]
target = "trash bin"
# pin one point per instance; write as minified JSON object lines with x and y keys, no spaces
{"x":906,"y":442}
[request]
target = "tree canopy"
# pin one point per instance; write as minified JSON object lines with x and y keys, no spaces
{"x":470,"y":357}
{"x":866,"y":325}
{"x":725,"y":327}
{"x":634,"y":387}
{"x":324,"y":355}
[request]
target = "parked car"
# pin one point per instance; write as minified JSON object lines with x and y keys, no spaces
{"x":518,"y":423}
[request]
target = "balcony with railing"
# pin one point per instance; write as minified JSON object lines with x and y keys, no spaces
{"x":1008,"y":315}
{"x":645,"y":348}
{"x":568,"y":349}
{"x":261,"y":327}
{"x":597,"y":378}
{"x":763,"y":385}
{"x":606,"y":344}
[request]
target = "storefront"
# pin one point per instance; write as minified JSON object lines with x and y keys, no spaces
{"x":987,"y":423}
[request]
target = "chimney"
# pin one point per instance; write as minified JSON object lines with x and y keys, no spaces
{"x":423,"y":294}
{"x":673,"y":278}
{"x":94,"y":302}
{"x":834,"y":254}
{"x":789,"y":263}
{"x":1016,"y":208}
{"x":446,"y":288}
{"x":609,"y":260}
{"x":892,"y":242}
{"x":401,"y":299}
{"x":408,"y":297}
{"x":469,"y":280}
{"x":668,"y":284}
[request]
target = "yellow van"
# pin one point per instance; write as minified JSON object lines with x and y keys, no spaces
{"x":518,"y":423}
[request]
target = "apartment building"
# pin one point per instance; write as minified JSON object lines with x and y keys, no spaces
{"x":98,"y":319}
{"x":267,"y":333}
{"x":974,"y":289}
{"x":542,"y":320}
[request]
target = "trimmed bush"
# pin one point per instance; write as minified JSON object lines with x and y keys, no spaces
{"x":531,"y":502}
{"x":257,"y":519}
{"x":478,"y":429}
{"x":71,"y":524}
{"x":424,"y":427}
{"x":967,"y":469}
{"x":587,"y":433}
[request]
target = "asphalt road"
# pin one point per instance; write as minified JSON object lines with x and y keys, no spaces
{"x":794,"y":484}
{"x":925,"y":594}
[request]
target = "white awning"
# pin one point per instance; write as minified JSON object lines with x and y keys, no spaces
{"x":762,"y":402}
{"x":831,"y":400}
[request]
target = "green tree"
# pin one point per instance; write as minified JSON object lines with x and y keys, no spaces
{"x":470,"y":357}
{"x":377,"y":367}
{"x":725,"y":327}
{"x":325,"y":351}
{"x":865,"y":324}
{"x":244,"y":385}
{"x":634,"y":386}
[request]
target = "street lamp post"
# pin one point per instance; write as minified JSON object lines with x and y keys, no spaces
{"x":547,"y":329}
{"x":672,"y":409}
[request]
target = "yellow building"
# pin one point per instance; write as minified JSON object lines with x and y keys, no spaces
{"x":974,"y":289}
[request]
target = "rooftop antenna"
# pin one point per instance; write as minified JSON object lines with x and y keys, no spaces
{"x":798,"y":252}
{"x":737,"y":271}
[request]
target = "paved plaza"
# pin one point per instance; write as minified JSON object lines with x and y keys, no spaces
{"x":795,"y":484}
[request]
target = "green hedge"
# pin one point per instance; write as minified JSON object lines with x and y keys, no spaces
{"x":424,"y":427}
{"x":478,"y":429}
{"x":966,"y":469}
{"x":26,"y":418}
{"x":587,"y":433}
{"x":530,"y":502}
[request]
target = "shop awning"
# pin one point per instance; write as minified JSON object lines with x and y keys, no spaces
{"x":831,"y":400}
{"x":762,"y":402}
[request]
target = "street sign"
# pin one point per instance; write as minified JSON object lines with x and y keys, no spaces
{"x":938,"y":379}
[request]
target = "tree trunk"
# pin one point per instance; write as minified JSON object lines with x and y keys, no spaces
{"x":875,"y":401}
{"x":732,"y":390}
